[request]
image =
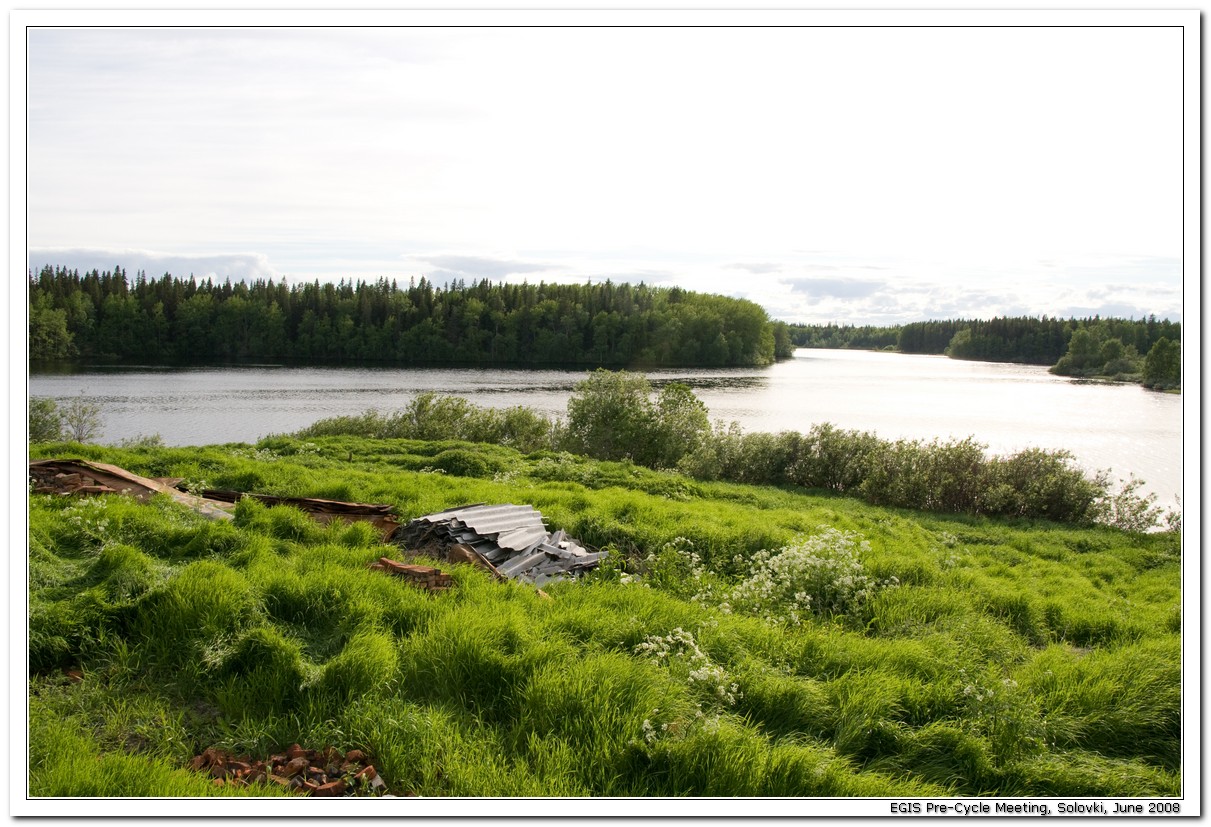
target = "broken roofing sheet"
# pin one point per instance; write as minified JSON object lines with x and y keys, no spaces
{"x":379,"y":515}
{"x":77,"y":476}
{"x":511,"y":539}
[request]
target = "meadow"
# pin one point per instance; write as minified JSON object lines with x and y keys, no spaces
{"x":742,"y":640}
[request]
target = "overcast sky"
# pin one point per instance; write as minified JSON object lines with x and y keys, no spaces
{"x":853,"y":175}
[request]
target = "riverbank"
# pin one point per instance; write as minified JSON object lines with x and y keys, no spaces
{"x":897,"y":396}
{"x":744,"y":641}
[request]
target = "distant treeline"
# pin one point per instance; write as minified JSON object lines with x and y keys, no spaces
{"x":864,"y":337}
{"x":105,"y":315}
{"x":1145,"y":350}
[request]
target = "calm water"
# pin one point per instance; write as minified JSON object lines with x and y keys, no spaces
{"x":1006,"y":407}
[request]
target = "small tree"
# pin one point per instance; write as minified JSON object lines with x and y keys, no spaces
{"x":612,"y":416}
{"x":1163,"y":365}
{"x":609,"y":414}
{"x":45,"y":420}
{"x":81,"y":419}
{"x":681,"y":423}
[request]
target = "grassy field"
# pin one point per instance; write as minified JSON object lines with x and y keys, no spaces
{"x":743,"y":641}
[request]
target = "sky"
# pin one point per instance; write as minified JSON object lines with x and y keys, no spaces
{"x":852,"y":175}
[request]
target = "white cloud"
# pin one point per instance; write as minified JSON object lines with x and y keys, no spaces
{"x":237,"y":266}
{"x":748,"y":161}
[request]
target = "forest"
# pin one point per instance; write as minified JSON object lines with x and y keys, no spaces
{"x":106,"y":316}
{"x":1137,"y":350}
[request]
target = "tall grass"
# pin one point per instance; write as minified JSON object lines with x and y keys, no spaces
{"x":930,"y":655}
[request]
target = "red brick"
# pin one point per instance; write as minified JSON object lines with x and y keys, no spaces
{"x":331,"y":789}
{"x":295,"y":766}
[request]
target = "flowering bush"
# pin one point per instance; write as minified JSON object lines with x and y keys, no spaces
{"x":680,"y":653}
{"x":708,"y":682}
{"x":822,"y":575}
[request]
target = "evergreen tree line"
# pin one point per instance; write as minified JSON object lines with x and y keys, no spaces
{"x":858,"y":337}
{"x":106,"y":316}
{"x":1027,"y":339}
{"x":1143,"y":350}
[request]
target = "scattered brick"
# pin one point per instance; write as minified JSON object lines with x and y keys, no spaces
{"x":425,"y":577}
{"x":322,"y":773}
{"x":332,"y":788}
{"x":295,"y":766}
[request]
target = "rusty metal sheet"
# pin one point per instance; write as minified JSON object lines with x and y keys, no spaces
{"x":380,"y":515}
{"x":77,"y":476}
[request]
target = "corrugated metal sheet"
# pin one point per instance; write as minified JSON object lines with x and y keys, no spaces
{"x":512,"y":540}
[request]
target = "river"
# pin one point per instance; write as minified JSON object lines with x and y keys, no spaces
{"x":1123,"y":428}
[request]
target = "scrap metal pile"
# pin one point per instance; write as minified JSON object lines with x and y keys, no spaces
{"x":509,"y":540}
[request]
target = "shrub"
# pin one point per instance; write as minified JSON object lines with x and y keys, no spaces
{"x":611,"y":416}
{"x":464,"y":463}
{"x":81,"y":419}
{"x":822,"y":575}
{"x":45,"y":420}
{"x":831,"y":458}
{"x":1127,"y":510}
{"x":608,"y":414}
{"x":438,"y":418}
{"x":1038,"y":483}
{"x":934,"y":476}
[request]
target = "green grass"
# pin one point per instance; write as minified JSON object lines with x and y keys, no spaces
{"x":985,"y":656}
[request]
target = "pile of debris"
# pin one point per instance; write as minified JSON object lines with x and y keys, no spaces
{"x":324,"y":773}
{"x":77,"y":476}
{"x":511,"y":541}
{"x":424,"y":577}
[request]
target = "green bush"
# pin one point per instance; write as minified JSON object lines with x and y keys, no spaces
{"x":45,"y":420}
{"x":611,"y":416}
{"x":1038,"y":483}
{"x":465,"y":463}
{"x":834,"y":459}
